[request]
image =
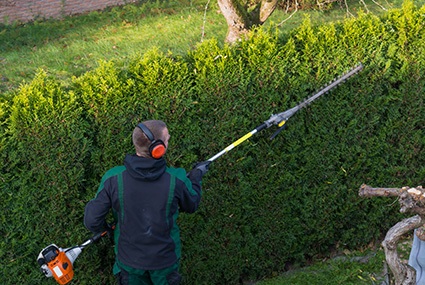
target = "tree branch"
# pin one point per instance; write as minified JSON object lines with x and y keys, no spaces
{"x":411,"y":200}
{"x":267,"y":8}
{"x":403,"y":273}
{"x":287,"y":8}
{"x":205,"y":19}
{"x":368,"y":191}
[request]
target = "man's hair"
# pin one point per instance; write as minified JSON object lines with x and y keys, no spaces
{"x":141,"y":142}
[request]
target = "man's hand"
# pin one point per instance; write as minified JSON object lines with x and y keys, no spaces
{"x":202,"y":167}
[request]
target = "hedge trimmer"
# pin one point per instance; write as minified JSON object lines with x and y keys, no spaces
{"x":58,"y":263}
{"x":281,"y":118}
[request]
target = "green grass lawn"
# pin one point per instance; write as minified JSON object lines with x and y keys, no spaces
{"x":76,"y":44}
{"x":348,"y":268}
{"x":345,"y":270}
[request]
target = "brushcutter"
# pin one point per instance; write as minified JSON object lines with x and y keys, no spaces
{"x":58,"y":262}
{"x":280,"y":119}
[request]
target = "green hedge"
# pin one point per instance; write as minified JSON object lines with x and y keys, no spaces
{"x":267,"y":204}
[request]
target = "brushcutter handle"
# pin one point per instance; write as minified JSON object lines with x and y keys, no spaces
{"x":278,"y":131}
{"x":99,"y":235}
{"x":108,"y":232}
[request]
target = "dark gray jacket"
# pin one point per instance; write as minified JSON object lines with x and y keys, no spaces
{"x":146,"y":197}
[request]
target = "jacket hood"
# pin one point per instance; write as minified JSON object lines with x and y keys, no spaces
{"x":144,"y":168}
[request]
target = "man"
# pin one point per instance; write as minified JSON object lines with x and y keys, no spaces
{"x":145,"y":196}
{"x":417,"y":255}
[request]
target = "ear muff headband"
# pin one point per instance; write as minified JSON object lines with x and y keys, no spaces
{"x":157,"y":147}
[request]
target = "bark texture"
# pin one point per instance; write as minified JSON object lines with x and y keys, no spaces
{"x":412,"y":200}
{"x":242,"y":17}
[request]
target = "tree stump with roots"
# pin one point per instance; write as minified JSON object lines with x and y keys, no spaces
{"x":412,"y":200}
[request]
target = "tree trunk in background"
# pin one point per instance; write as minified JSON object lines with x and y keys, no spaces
{"x":242,"y":16}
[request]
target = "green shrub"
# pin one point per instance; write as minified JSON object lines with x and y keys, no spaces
{"x":43,"y":173}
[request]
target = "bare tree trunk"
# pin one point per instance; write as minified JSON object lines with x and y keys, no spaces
{"x":403,"y":273}
{"x":236,"y":25}
{"x":241,"y":18}
{"x":411,"y":200}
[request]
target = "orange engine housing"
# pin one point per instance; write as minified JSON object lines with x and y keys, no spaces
{"x":61,"y":268}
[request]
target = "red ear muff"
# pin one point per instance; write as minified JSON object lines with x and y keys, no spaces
{"x":157,"y":147}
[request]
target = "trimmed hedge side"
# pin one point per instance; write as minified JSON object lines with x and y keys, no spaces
{"x":267,"y":204}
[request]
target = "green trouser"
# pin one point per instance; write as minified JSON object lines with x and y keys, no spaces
{"x":167,"y":276}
